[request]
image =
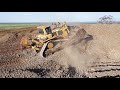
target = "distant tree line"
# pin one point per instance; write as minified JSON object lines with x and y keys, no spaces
{"x":106,"y":20}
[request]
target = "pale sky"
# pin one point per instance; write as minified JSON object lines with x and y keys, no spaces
{"x":55,"y":16}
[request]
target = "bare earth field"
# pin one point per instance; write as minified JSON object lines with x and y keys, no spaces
{"x":98,"y":58}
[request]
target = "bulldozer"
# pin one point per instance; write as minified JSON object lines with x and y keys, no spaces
{"x":46,"y":38}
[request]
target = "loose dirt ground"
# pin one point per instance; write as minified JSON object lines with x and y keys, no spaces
{"x":98,"y":58}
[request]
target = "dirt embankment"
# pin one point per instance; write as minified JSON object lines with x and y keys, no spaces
{"x":99,"y":57}
{"x":106,"y":41}
{"x":104,"y":49}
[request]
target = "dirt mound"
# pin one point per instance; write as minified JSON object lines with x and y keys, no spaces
{"x":104,"y":48}
{"x":106,"y":41}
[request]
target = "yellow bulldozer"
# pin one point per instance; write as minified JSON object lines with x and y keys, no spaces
{"x":50,"y":39}
{"x":46,"y":38}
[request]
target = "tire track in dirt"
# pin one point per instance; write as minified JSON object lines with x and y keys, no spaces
{"x":105,"y":69}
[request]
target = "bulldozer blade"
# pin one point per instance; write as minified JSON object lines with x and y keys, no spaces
{"x":43,"y":49}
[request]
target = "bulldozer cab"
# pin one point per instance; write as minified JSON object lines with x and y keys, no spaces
{"x":62,"y":32}
{"x":44,"y":32}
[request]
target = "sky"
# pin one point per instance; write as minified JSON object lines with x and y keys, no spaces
{"x":55,"y":16}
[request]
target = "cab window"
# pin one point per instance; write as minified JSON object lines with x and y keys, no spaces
{"x":48,"y":30}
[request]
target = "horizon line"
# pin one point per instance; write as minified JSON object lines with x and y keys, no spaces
{"x":48,"y":22}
